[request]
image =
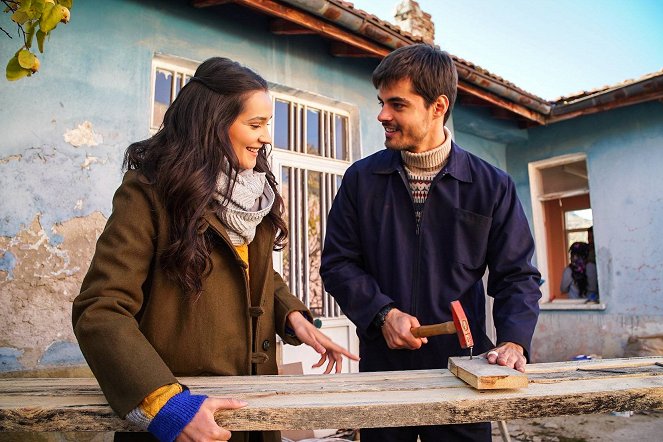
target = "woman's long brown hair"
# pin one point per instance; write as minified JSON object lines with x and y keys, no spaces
{"x":184,"y":158}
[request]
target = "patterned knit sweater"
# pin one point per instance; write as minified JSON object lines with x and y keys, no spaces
{"x":421,"y":168}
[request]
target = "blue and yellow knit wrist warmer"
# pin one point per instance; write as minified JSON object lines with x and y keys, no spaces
{"x":175,"y":415}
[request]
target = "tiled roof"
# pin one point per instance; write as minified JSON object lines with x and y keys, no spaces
{"x":378,"y":21}
{"x":582,"y":94}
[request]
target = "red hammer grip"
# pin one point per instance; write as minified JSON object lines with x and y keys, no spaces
{"x":462,"y":325}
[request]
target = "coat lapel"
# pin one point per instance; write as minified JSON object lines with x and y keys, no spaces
{"x":259,"y":253}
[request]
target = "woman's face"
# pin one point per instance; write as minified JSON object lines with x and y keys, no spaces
{"x":250,"y":130}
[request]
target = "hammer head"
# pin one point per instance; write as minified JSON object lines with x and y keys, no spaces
{"x":462,"y":325}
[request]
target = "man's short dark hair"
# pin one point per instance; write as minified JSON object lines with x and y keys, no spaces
{"x":431,"y":70}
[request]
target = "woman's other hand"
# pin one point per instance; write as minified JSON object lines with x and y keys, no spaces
{"x":203,"y":427}
{"x":329,"y":351}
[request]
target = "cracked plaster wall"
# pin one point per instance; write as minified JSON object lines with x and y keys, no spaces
{"x":37,"y":289}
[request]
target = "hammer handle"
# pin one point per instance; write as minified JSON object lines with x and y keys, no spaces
{"x":444,"y":328}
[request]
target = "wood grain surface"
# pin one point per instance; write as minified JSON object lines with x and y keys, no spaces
{"x":357,"y":400}
{"x":481,"y":375}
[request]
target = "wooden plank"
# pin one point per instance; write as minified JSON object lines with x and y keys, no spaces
{"x":360,"y":400}
{"x":481,"y":375}
{"x":557,"y":367}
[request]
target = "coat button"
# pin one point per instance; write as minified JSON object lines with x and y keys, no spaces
{"x":265,"y":345}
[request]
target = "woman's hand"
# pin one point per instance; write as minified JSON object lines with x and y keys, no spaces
{"x":203,"y":427}
{"x":329,"y":351}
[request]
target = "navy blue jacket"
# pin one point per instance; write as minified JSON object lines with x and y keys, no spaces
{"x":471,"y":219}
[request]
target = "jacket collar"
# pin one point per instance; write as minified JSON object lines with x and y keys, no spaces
{"x":215,"y":223}
{"x":458,"y":165}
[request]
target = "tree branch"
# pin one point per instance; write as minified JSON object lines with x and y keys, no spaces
{"x":3,"y":30}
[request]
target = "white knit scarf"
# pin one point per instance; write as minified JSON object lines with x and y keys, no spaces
{"x":250,"y":202}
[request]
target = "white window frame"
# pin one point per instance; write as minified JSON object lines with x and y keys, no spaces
{"x":538,"y":220}
{"x":176,"y":65}
{"x":297,"y":159}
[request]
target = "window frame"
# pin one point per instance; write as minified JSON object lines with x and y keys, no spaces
{"x":538,"y":197}
{"x":329,"y":167}
{"x":176,"y":65}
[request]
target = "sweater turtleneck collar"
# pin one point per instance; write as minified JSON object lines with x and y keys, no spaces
{"x":431,"y":161}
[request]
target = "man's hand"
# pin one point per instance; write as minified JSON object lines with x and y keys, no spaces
{"x":328,"y":349}
{"x":508,"y":354}
{"x":396,"y":331}
{"x":203,"y":427}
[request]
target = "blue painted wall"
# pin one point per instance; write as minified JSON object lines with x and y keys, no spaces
{"x":97,"y":68}
{"x":624,"y":149}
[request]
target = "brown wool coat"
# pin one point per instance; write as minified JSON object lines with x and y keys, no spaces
{"x":137,"y":330}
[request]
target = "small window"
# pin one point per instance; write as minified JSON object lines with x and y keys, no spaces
{"x":562,"y":215}
{"x":281,"y":124}
{"x":169,"y":75}
{"x":576,"y":226}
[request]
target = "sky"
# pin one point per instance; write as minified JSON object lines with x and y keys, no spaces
{"x":550,"y":48}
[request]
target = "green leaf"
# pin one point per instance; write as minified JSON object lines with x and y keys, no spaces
{"x":15,"y":71}
{"x":30,"y":30}
{"x":49,"y":19}
{"x":37,"y":6}
{"x":40,"y":40}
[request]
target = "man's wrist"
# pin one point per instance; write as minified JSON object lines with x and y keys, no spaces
{"x":381,"y":316}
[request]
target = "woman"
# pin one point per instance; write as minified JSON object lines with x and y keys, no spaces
{"x":579,"y":279}
{"x":182,"y":283}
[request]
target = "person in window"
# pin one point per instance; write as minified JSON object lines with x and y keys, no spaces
{"x":415,"y":226}
{"x":181,"y":282}
{"x":579,"y":279}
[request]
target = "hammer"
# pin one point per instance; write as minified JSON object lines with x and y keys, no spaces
{"x":459,"y":325}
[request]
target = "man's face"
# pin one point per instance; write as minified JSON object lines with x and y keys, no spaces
{"x":406,"y":119}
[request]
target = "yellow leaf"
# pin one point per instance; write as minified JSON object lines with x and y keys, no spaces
{"x":20,"y":17}
{"x":50,"y":18}
{"x":40,"y":40}
{"x":26,"y":59}
{"x":30,"y":30}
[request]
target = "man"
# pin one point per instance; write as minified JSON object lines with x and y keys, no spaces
{"x":415,"y":226}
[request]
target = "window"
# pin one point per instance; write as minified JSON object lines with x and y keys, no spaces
{"x":309,"y":157}
{"x":169,"y":75}
{"x":576,"y":226}
{"x":562,"y":215}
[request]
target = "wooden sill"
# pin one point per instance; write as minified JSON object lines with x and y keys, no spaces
{"x":570,"y":304}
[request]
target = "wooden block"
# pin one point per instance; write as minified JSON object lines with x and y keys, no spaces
{"x":481,"y":375}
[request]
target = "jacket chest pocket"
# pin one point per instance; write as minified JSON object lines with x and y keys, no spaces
{"x":470,"y":237}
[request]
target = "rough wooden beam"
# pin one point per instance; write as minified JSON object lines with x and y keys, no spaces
{"x":339,"y":49}
{"x":501,"y":102}
{"x":481,"y":375}
{"x":279,"y":26}
{"x":360,"y":400}
{"x":308,"y":21}
{"x":206,"y":3}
